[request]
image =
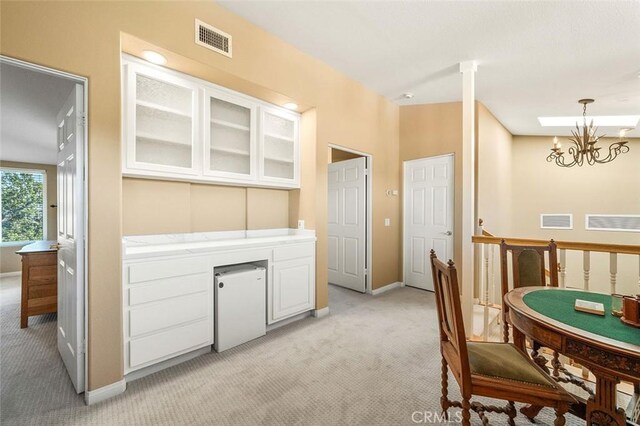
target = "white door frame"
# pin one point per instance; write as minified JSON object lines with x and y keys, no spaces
{"x":85,"y":167}
{"x":404,"y":196}
{"x":369,"y":207}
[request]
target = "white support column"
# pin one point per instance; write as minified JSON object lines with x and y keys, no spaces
{"x":468,"y":70}
{"x":613,"y":270}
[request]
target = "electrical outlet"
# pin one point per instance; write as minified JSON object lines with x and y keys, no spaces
{"x":301,"y":224}
{"x":387,"y":222}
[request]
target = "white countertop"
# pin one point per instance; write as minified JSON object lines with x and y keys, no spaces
{"x":142,"y":246}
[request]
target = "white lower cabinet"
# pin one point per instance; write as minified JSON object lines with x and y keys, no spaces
{"x":168,"y":309}
{"x":292,"y":289}
{"x":169,"y":303}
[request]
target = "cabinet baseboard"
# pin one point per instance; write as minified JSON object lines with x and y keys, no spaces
{"x":105,"y":392}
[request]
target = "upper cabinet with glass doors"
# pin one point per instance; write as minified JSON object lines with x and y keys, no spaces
{"x":177,"y":127}
{"x":161,"y":122}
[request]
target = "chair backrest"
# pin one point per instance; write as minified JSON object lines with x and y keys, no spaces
{"x":527,"y":269}
{"x":453,"y":342}
{"x":528,"y":265}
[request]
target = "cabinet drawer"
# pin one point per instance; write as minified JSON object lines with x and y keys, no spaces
{"x":169,"y":313}
{"x":167,"y":288}
{"x":170,"y":342}
{"x":293,"y":251}
{"x":148,"y":271}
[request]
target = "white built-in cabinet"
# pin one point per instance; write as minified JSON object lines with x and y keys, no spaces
{"x":178,"y":127}
{"x":168,"y":300}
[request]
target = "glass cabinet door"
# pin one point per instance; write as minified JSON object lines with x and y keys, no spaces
{"x":229,"y":136}
{"x":279,"y":145}
{"x":164,"y":108}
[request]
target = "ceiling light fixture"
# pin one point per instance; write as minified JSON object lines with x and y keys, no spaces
{"x":584,"y":144}
{"x":154,"y":57}
{"x":291,"y":105}
{"x":407,"y":95}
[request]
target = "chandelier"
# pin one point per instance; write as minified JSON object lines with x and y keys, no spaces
{"x":583,"y":148}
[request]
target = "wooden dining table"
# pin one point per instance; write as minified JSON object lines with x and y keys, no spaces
{"x":609,"y":349}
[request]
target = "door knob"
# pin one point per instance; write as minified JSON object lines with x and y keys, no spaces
{"x":55,"y":246}
{"x":447,"y":233}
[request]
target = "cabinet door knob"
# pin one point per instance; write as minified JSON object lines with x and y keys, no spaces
{"x":220,"y":285}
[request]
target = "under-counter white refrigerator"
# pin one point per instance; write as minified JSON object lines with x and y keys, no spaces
{"x":240,"y":305}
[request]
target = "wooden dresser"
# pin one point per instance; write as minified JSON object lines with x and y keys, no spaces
{"x":39,"y":280}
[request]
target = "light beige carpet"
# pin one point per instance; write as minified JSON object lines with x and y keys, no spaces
{"x":373,"y":361}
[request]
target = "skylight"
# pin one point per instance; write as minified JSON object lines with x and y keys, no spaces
{"x":629,"y":121}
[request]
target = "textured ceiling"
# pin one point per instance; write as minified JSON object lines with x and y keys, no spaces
{"x":534,"y":58}
{"x":29,"y":104}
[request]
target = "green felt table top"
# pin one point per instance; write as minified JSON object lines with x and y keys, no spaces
{"x":558,"y":304}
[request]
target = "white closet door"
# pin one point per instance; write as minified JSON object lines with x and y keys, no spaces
{"x":428,"y":217}
{"x":347,"y":224}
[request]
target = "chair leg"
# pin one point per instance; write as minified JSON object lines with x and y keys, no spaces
{"x":505,"y":331}
{"x":561,"y":409}
{"x":444,"y":399}
{"x":556,"y":364}
{"x":512,"y":413}
{"x":466,"y":412}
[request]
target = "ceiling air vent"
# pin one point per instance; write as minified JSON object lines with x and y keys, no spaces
{"x":612,"y":222}
{"x":556,"y":221}
{"x":212,"y":38}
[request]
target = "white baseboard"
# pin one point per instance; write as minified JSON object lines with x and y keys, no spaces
{"x":10,"y":274}
{"x":319,"y":313}
{"x":105,"y":392}
{"x":386,"y":288}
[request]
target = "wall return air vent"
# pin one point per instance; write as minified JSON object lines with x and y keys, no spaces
{"x":212,"y":38}
{"x":556,"y":221}
{"x":612,"y":222}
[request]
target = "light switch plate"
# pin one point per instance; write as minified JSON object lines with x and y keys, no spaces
{"x":387,"y":222}
{"x":301,"y":224}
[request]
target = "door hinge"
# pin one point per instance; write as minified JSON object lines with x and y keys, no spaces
{"x":366,"y":272}
{"x":82,"y":119}
{"x":82,"y":347}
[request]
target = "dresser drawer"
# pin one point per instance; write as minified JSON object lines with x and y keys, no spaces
{"x":169,"y":343}
{"x":168,"y":288}
{"x":293,"y":251}
{"x":149,"y":271}
{"x":168,"y":313}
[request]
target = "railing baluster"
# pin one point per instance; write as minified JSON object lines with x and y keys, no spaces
{"x":586,"y":266}
{"x":563,"y":268}
{"x":613,"y":270}
{"x":485,"y":295}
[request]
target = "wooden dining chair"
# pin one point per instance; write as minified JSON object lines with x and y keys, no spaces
{"x":489,"y":369}
{"x":528,"y":269}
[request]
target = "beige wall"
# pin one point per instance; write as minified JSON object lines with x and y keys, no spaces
{"x":84,"y":38}
{"x":9,"y":260}
{"x":542,"y":187}
{"x":337,"y":155}
{"x":430,"y":130}
{"x":493,"y":172}
{"x":158,"y":207}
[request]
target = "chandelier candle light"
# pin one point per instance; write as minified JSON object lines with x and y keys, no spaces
{"x":584,"y":147}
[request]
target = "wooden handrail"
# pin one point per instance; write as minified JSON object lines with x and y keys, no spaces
{"x":566,"y":245}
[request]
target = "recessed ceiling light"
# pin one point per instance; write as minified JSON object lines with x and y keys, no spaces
{"x":154,"y":57}
{"x":291,"y":105}
{"x":407,"y":95}
{"x":598,"y":120}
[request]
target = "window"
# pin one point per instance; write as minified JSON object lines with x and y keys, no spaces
{"x":23,"y":195}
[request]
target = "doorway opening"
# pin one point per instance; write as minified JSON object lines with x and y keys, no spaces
{"x":43,"y":172}
{"x":349,"y":218}
{"x":428,"y":216}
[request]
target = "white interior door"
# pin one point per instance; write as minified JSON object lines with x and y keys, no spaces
{"x":70,"y":236}
{"x":428,"y":216}
{"x":347,"y":224}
